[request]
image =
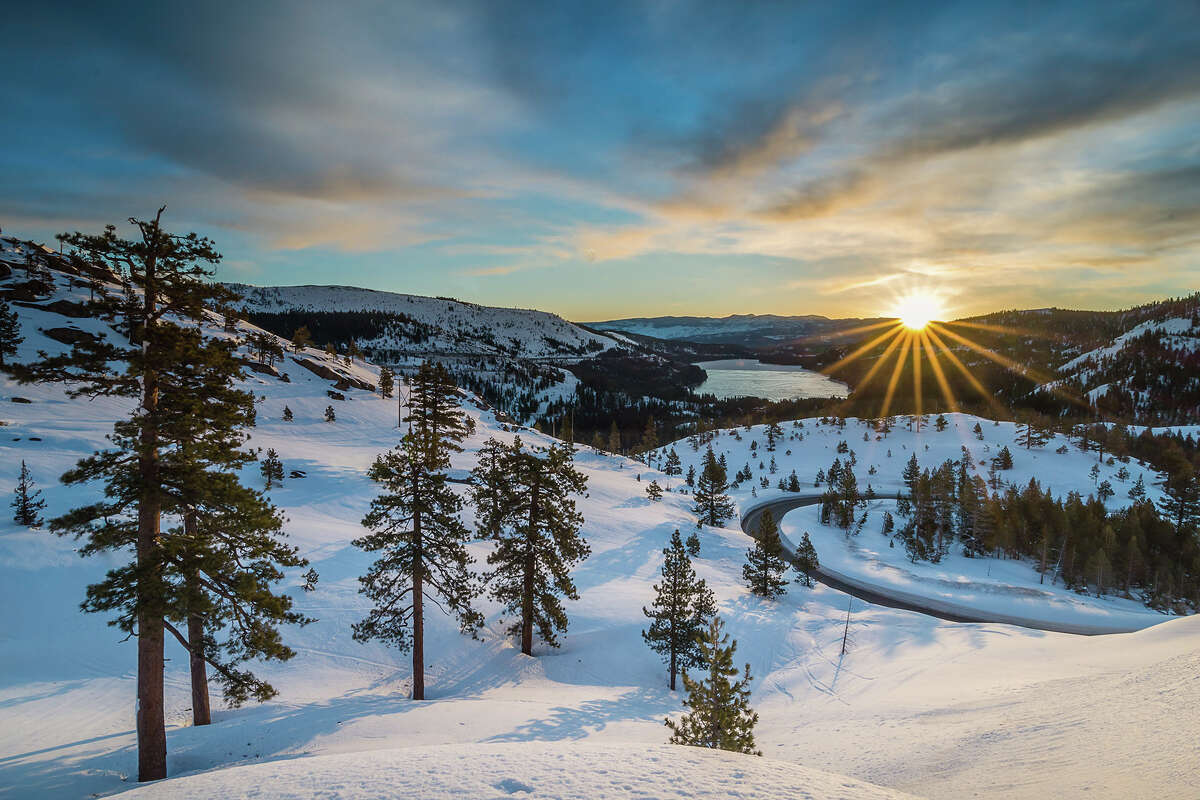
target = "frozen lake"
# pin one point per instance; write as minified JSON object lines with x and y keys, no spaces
{"x":748,"y":378}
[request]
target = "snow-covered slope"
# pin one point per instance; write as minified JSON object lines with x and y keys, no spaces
{"x":1149,"y":373}
{"x":991,"y":586}
{"x":545,"y":771}
{"x":445,"y":326}
{"x":919,"y":705}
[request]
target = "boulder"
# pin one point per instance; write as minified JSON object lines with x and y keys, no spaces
{"x":265,"y":369}
{"x":63,"y":307}
{"x":342,"y":381}
{"x":29,"y":290}
{"x":24,"y":400}
{"x":70,"y":336}
{"x":335,"y":395}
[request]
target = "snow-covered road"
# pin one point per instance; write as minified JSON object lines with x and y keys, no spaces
{"x":886,"y":595}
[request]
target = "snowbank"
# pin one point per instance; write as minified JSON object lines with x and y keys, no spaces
{"x":545,"y":771}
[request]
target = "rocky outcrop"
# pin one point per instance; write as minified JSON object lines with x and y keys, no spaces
{"x":342,"y":381}
{"x":71,"y":336}
{"x":64,"y":307}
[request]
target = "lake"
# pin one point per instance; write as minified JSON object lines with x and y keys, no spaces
{"x":736,"y":377}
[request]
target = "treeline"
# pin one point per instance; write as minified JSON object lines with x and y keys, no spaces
{"x":343,"y":328}
{"x":1145,"y":549}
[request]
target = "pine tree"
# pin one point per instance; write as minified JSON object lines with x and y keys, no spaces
{"x":287,"y":414}
{"x":330,"y":414}
{"x":1004,"y":459}
{"x":387,"y":382}
{"x":712,"y":504}
{"x":673,"y":465}
{"x":27,"y":503}
{"x":1138,"y":490}
{"x":614,"y":439}
{"x":1180,"y":503}
{"x":435,"y":415}
{"x":774,"y":434}
{"x":806,"y":560}
{"x":530,"y":509}
{"x":301,"y":339}
{"x":690,"y":480}
{"x":10,"y":332}
{"x":1031,"y":433}
{"x":940,"y":423}
{"x":693,"y":545}
{"x":415,"y":527}
{"x":649,"y":436}
{"x":680,"y":613}
{"x":272,"y":469}
{"x":654,"y":491}
{"x":765,"y":565}
{"x":978,"y":431}
{"x":719,"y":714}
{"x":172,"y":275}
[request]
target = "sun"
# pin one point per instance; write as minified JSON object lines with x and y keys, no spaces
{"x":917,"y":310}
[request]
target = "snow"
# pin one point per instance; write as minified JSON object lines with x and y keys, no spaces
{"x":543,"y":771}
{"x":461,"y":328}
{"x":1179,"y":332}
{"x":990,"y":587}
{"x":934,"y":708}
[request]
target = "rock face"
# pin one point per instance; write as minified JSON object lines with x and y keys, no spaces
{"x":29,"y":290}
{"x":70,"y":336}
{"x":343,"y":381}
{"x":63,"y":307}
{"x":265,"y":369}
{"x":335,"y":395}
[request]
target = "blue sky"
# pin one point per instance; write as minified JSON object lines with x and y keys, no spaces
{"x":624,"y":159}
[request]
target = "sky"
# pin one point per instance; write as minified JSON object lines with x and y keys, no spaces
{"x":611,"y":159}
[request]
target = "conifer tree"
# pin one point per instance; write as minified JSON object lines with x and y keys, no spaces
{"x":1031,"y":433}
{"x":27,"y":503}
{"x":287,"y":414}
{"x":387,"y":382}
{"x":774,"y":434}
{"x":1004,"y":459}
{"x":330,"y":414}
{"x":765,"y":565}
{"x":1180,"y":503}
{"x":690,"y":480}
{"x":673,"y":466}
{"x":434,"y":412}
{"x":649,"y":436}
{"x":806,"y":560}
{"x":301,"y":339}
{"x":415,"y":524}
{"x":719,"y":713}
{"x":712,"y":504}
{"x":680,"y":613}
{"x":415,"y":527}
{"x":171,"y":272}
{"x":693,"y":545}
{"x":272,"y":469}
{"x":614,"y":439}
{"x":654,"y":491}
{"x":10,"y":332}
{"x":529,"y":507}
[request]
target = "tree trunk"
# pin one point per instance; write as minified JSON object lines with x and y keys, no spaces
{"x":418,"y":651}
{"x":530,"y":563}
{"x":201,"y":709}
{"x":151,"y":726}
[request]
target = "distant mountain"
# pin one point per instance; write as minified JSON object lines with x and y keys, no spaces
{"x":399,"y":325}
{"x":744,"y":330}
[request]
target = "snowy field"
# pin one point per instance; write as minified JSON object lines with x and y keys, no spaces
{"x":989,"y":586}
{"x":918,"y":705}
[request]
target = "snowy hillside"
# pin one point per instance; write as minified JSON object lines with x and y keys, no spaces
{"x":990,"y":586}
{"x":748,"y":330}
{"x":537,"y":772}
{"x":440,"y":326}
{"x":933,"y":708}
{"x":1151,"y":372}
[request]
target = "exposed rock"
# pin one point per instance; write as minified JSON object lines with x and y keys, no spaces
{"x":330,"y":374}
{"x":265,"y":369}
{"x":21,"y":400}
{"x":5,"y":270}
{"x":298,"y":473}
{"x":64,"y":307}
{"x":69,"y":335}
{"x":335,"y":395}
{"x":29,"y":290}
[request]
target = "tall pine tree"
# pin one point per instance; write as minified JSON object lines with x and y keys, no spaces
{"x":525,"y":500}
{"x":27,"y":500}
{"x":712,"y":505}
{"x":680,"y":613}
{"x":765,"y":565}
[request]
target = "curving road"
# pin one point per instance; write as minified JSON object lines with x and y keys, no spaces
{"x":893,"y":598}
